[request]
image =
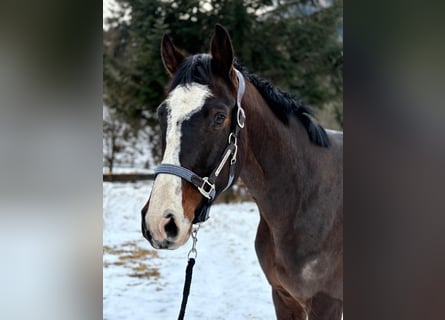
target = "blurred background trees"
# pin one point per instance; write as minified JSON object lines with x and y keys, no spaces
{"x":297,"y":44}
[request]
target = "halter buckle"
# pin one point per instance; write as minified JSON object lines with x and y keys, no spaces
{"x":206,"y":184}
{"x":233,"y":160}
{"x":233,"y":140}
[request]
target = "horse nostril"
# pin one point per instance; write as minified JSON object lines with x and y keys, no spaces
{"x":170,"y":228}
{"x":168,"y":215}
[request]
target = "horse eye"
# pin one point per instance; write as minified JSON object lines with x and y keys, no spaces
{"x":219,"y":118}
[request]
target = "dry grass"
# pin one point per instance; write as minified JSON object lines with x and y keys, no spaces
{"x":153,"y":273}
{"x":134,"y":258}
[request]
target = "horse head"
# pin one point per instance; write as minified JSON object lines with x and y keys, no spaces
{"x":200,"y":120}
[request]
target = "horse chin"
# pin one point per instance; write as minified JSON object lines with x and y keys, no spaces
{"x":173,"y":246}
{"x":170,"y":245}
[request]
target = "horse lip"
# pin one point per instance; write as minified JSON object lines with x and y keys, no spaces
{"x":165,"y":244}
{"x":154,"y":243}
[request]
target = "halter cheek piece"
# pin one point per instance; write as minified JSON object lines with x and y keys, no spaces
{"x":206,"y":185}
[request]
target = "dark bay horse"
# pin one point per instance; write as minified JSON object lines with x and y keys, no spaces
{"x":218,"y":123}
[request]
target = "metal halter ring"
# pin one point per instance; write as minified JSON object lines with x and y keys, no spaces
{"x":240,"y":117}
{"x":232,"y":137}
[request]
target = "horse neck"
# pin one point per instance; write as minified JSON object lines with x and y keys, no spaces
{"x":277,"y":156}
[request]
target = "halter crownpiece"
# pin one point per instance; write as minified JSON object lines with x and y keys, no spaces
{"x":206,"y":185}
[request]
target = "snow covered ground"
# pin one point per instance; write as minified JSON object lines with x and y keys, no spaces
{"x":120,"y":170}
{"x":142,"y":283}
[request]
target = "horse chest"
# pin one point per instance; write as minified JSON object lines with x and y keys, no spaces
{"x":300,"y":276}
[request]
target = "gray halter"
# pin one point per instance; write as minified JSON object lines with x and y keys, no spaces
{"x":206,"y":185}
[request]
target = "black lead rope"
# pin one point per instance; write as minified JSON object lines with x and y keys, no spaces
{"x":186,"y":291}
{"x":188,"y":273}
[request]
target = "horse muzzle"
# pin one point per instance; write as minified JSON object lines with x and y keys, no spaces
{"x":165,"y":231}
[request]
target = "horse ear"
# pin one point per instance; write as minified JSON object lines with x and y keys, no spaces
{"x":221,"y":50}
{"x":171,"y":56}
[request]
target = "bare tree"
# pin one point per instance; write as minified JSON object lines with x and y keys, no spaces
{"x":112,"y":133}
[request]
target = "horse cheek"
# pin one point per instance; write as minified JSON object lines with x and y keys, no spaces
{"x":191,"y":199}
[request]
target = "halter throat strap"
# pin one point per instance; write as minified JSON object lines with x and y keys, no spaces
{"x":207,"y":185}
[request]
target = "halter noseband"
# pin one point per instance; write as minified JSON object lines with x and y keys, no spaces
{"x":206,"y":186}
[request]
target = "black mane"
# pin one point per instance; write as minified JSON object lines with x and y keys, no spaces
{"x":284,"y":104}
{"x":198,"y":69}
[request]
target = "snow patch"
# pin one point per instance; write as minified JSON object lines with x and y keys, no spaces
{"x":142,"y":283}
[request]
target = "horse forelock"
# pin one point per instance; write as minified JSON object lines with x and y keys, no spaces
{"x":194,"y":69}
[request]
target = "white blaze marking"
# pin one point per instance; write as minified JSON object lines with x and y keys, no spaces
{"x":166,"y":194}
{"x":182,"y":103}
